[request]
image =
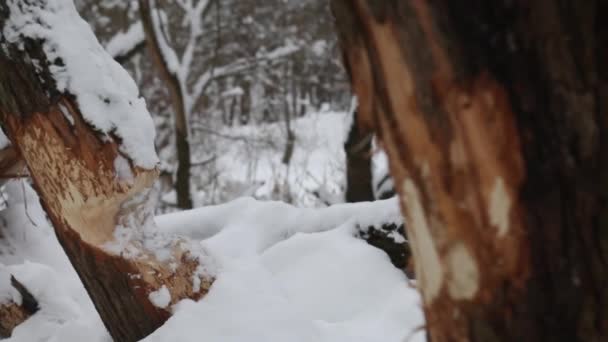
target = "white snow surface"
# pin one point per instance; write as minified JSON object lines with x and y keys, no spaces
{"x":283,"y":274}
{"x":292,"y":274}
{"x":160,"y":298}
{"x":107,"y":96}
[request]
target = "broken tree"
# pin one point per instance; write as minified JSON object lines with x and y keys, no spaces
{"x":78,"y":122}
{"x":495,"y":119}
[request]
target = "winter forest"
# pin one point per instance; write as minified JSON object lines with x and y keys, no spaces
{"x":303,"y":170}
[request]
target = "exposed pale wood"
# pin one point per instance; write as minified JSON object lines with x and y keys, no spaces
{"x":73,"y":170}
{"x":494,"y":118}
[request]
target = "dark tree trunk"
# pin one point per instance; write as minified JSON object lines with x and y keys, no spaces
{"x":232,"y":111}
{"x":287,"y":115}
{"x":72,"y":166}
{"x":495,"y":118}
{"x":246,"y":103}
{"x":358,"y":150}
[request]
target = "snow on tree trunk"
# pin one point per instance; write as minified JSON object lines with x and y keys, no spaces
{"x":84,"y":132}
{"x":494,"y":116}
{"x":166,"y":62}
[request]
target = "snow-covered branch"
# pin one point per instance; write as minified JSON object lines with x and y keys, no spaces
{"x":126,"y":42}
{"x":237,"y":67}
{"x":167,"y":52}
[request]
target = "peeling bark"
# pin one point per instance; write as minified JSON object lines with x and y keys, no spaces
{"x":72,"y":166}
{"x":493,"y":115}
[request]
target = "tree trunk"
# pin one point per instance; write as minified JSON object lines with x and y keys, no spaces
{"x":291,"y":136}
{"x":182,"y":144}
{"x":88,"y":182}
{"x":358,"y":150}
{"x":495,"y":119}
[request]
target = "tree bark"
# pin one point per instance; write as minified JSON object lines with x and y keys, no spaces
{"x":358,"y":150}
{"x":182,"y":144}
{"x":495,"y":119}
{"x":72,"y":165}
{"x":12,"y":314}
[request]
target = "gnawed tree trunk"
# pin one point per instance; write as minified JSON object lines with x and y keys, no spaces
{"x":358,"y":150}
{"x":182,"y":144}
{"x":495,"y":118}
{"x":92,"y":170}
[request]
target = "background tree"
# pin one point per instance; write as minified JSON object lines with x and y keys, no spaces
{"x":494,"y":118}
{"x":358,"y":150}
{"x":257,"y":62}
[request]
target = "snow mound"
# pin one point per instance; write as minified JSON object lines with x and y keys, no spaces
{"x":326,"y":287}
{"x":283,"y":274}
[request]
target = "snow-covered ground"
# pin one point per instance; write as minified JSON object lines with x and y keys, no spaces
{"x":283,"y":274}
{"x":247,"y":161}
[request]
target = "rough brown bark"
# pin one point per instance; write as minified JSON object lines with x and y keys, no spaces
{"x":358,"y":150}
{"x":72,"y":168}
{"x":184,"y":163}
{"x":11,"y":164}
{"x":12,"y":314}
{"x":494,"y":116}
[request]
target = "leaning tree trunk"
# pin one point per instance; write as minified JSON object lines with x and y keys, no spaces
{"x":182,"y":144}
{"x":77,"y":121}
{"x":495,"y":118}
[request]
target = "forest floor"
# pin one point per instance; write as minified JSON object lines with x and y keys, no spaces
{"x":282,"y":273}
